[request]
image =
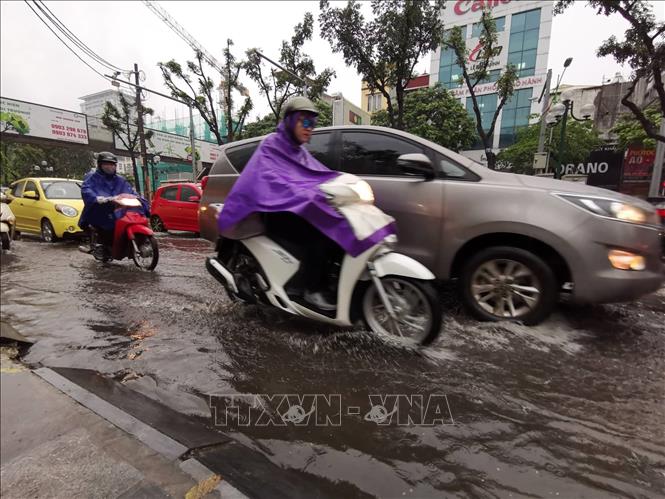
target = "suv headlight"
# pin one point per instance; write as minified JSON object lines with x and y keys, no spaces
{"x":67,"y":211}
{"x":610,"y":208}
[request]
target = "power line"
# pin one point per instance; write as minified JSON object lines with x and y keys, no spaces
{"x":72,"y":37}
{"x":62,"y":41}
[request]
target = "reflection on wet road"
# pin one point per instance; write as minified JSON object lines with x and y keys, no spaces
{"x":574,"y":407}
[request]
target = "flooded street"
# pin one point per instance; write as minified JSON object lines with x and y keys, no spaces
{"x":572,"y":408}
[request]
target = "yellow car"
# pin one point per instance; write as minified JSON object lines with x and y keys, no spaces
{"x":50,"y":207}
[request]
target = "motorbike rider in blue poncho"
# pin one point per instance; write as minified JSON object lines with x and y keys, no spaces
{"x":98,"y":190}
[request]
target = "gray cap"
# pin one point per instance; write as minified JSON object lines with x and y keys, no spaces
{"x":299,"y":103}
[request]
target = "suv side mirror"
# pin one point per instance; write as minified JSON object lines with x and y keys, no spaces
{"x":416,"y":164}
{"x":31,"y":195}
{"x":194,"y":199}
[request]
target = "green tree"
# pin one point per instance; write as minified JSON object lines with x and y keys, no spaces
{"x":278,"y":86}
{"x":267,"y":124}
{"x":434,"y":114}
{"x":200,"y":89}
{"x":643,"y":50}
{"x":386,"y":49}
{"x":18,"y":160}
{"x":630,"y":132}
{"x":478,"y":72}
{"x":325,"y":113}
{"x":123,"y":123}
{"x":260,"y":127}
{"x":231,"y":83}
{"x":581,"y":138}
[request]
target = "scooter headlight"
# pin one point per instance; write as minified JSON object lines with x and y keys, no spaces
{"x":67,"y":211}
{"x":364,"y":191}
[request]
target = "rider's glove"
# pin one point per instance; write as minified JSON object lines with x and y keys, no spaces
{"x":103,"y":199}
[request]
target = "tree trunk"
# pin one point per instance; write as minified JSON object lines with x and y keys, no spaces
{"x":391,"y":113}
{"x":400,"y":108}
{"x":491,"y":159}
{"x":135,"y":171}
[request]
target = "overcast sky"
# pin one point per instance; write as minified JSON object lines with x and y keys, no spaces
{"x":36,"y":67}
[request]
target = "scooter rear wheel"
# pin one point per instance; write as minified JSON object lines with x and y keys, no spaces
{"x":148,"y":254}
{"x":416,"y":305}
{"x":5,"y":241}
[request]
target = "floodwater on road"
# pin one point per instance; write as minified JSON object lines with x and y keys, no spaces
{"x":574,"y":407}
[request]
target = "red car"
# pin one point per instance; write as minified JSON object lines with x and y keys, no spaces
{"x":175,"y":207}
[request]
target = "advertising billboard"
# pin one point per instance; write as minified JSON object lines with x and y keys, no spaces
{"x":169,"y":145}
{"x":33,"y":120}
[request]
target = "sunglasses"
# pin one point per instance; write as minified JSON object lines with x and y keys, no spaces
{"x":309,"y":123}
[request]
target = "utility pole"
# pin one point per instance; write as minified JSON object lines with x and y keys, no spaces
{"x":657,"y":171}
{"x":191,"y":113}
{"x":139,"y":122}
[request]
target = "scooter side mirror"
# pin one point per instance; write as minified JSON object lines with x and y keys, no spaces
{"x":194,"y":199}
{"x":416,"y":164}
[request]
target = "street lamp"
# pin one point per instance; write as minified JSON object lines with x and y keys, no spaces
{"x":155,"y":160}
{"x":559,"y":113}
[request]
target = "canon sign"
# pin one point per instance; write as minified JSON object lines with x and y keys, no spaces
{"x":464,"y":6}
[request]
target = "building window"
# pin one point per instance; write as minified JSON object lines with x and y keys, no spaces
{"x":449,"y":72}
{"x":487,"y":105}
{"x":493,"y":76}
{"x":515,"y":114}
{"x":477,"y":28}
{"x":374,"y":102}
{"x":523,"y":45}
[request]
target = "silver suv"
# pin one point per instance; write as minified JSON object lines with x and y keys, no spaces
{"x":514,"y":242}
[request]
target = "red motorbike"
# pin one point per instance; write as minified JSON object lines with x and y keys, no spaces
{"x":132,"y":236}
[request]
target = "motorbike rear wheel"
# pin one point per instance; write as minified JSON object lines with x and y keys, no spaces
{"x":148,"y":254}
{"x":416,"y":306}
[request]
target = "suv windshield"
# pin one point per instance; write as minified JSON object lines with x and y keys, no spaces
{"x":62,"y":190}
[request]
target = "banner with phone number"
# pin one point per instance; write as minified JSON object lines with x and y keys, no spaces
{"x":34,"y":120}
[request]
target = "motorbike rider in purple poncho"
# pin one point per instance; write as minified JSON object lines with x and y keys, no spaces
{"x":98,"y":189}
{"x":281,"y":181}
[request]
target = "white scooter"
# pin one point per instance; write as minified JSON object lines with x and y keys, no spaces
{"x":392,"y":293}
{"x":7,"y":223}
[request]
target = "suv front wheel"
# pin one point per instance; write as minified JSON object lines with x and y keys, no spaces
{"x":506,"y":283}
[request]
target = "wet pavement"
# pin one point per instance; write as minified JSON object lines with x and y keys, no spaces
{"x":574,"y":407}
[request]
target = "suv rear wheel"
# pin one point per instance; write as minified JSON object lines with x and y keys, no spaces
{"x":506,"y":283}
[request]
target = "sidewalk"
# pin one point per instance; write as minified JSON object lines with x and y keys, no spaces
{"x":54,"y":447}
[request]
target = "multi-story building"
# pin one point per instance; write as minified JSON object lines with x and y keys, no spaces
{"x":93,"y":104}
{"x":606,"y":99}
{"x":345,"y":112}
{"x":523,"y":29}
{"x":373,"y":101}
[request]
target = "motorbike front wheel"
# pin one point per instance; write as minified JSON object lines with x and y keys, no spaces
{"x":5,"y":240}
{"x":416,"y":307}
{"x":148,"y":252}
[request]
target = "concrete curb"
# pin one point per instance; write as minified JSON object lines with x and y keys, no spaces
{"x":157,"y":441}
{"x":154,"y":439}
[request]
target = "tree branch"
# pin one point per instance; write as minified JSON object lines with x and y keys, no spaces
{"x":649,"y":129}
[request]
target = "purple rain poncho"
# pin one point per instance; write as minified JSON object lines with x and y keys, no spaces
{"x":282,"y":176}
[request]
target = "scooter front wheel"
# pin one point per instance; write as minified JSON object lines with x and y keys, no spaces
{"x":5,"y":241}
{"x":148,"y":252}
{"x":416,"y":309}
